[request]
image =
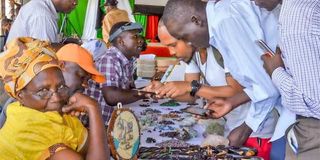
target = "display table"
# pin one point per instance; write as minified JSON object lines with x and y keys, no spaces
{"x":155,"y":130}
{"x":160,"y":123}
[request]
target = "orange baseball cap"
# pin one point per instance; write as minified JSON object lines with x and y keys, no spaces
{"x":77,"y":54}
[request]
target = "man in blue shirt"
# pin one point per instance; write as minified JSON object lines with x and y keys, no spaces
{"x":232,"y":26}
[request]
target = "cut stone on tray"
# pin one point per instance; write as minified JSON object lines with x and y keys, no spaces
{"x":145,"y":100}
{"x":150,"y":140}
{"x":171,"y":115}
{"x":169,"y":134}
{"x":165,"y":128}
{"x":166,"y":122}
{"x":175,"y":112}
{"x":144,"y":105}
{"x":150,"y":111}
{"x":170,"y":103}
{"x":173,"y":143}
{"x":192,"y":104}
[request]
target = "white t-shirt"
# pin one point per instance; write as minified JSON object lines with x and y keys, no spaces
{"x":215,"y":75}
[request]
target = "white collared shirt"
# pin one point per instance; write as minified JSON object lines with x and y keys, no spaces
{"x":234,"y":25}
{"x":36,"y":19}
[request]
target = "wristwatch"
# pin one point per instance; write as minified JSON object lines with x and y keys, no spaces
{"x":195,"y":86}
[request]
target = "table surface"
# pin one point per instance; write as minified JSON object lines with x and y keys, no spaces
{"x":145,"y":131}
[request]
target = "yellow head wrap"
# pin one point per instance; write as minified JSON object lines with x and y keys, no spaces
{"x":23,"y":60}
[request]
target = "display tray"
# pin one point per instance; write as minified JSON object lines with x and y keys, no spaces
{"x":168,"y":133}
{"x":197,"y":152}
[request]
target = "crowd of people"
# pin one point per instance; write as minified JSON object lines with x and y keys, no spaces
{"x":62,"y":95}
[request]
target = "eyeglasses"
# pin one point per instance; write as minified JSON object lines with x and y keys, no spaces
{"x":44,"y":93}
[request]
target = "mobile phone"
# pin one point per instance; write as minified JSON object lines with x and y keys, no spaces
{"x":196,"y":111}
{"x":265,"y":47}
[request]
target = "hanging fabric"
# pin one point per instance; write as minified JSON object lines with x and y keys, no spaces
{"x":152,"y":27}
{"x":142,"y":19}
{"x":125,"y":5}
{"x":89,"y":31}
{"x":76,"y":18}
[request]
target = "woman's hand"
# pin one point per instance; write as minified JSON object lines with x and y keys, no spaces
{"x":79,"y":104}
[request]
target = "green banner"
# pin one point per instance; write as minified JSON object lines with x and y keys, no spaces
{"x":75,"y":19}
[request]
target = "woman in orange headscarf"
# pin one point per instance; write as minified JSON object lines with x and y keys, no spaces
{"x":42,"y":123}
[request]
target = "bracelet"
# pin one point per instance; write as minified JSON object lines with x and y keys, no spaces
{"x":56,"y":148}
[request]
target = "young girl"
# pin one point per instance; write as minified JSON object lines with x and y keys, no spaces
{"x":42,"y":123}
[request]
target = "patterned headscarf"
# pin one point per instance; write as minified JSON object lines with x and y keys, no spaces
{"x":22,"y":61}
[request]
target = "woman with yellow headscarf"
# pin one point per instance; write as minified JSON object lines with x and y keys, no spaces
{"x":42,"y":123}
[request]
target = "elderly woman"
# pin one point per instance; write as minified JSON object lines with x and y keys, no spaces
{"x":42,"y":123}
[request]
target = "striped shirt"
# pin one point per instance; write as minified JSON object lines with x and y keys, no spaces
{"x":119,"y":73}
{"x":299,"y":81}
{"x":37,"y":19}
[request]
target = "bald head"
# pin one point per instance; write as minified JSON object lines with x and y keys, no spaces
{"x":182,"y":10}
{"x":187,"y":20}
{"x":65,"y":6}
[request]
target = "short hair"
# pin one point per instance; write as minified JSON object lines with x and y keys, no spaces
{"x":6,"y":21}
{"x":182,"y":9}
{"x":111,"y":3}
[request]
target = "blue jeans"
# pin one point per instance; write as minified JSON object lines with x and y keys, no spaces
{"x":278,"y":149}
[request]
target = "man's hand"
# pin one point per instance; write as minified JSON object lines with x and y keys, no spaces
{"x":239,"y":135}
{"x":219,"y":107}
{"x":174,"y":89}
{"x":154,"y":85}
{"x":272,"y":63}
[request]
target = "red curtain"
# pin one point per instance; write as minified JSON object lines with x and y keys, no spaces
{"x":152,"y":27}
{"x":159,"y":51}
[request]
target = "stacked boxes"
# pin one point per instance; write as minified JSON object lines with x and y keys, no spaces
{"x":146,"y":66}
